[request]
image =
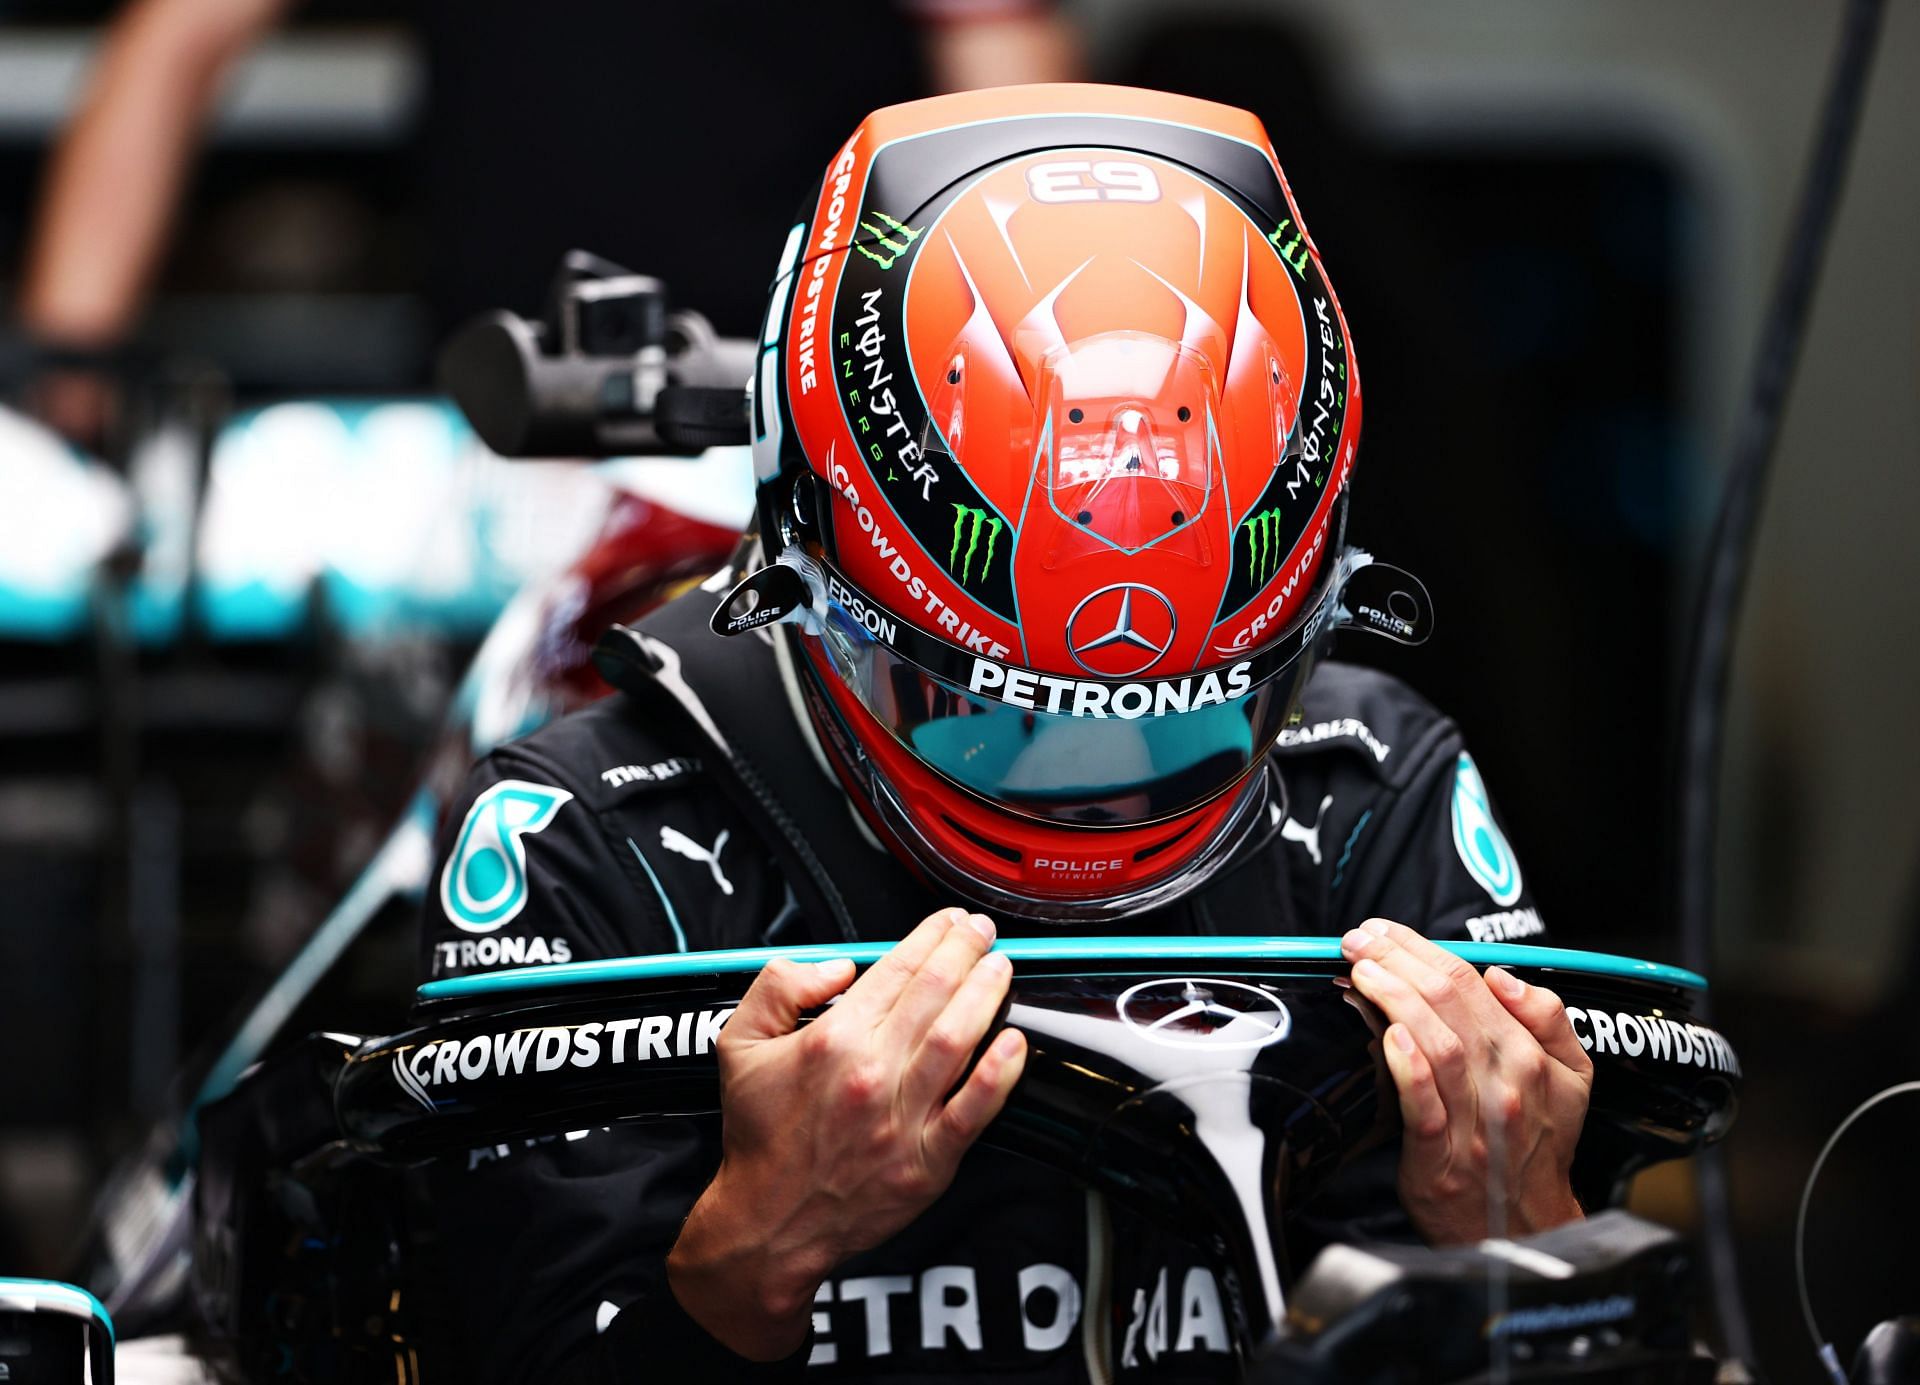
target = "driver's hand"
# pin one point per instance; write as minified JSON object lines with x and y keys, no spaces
{"x":1484,"y":1066}
{"x":838,"y":1135}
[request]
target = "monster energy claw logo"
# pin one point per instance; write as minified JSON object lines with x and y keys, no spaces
{"x":907,"y":236}
{"x":967,"y":524}
{"x":1290,"y":248}
{"x":1263,"y":544}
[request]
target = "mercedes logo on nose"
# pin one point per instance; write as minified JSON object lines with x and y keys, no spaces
{"x":1120,"y":630}
{"x":1190,"y":1012}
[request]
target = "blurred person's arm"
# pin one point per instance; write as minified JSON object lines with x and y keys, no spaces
{"x":997,"y":43}
{"x":116,"y":177}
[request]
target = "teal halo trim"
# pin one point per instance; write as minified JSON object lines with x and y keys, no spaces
{"x":37,"y":1295}
{"x":670,"y":965}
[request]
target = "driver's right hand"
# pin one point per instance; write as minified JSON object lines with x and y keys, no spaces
{"x":839,"y":1133}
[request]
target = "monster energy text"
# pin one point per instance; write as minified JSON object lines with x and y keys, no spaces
{"x":1329,"y":405}
{"x":871,"y":396}
{"x":1263,"y":544}
{"x":968,"y":521}
{"x":897,"y":236}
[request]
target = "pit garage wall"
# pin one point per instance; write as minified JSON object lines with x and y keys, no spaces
{"x":1820,"y":845}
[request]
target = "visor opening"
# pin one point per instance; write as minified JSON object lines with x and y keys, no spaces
{"x":1004,"y":852}
{"x":1147,"y":853}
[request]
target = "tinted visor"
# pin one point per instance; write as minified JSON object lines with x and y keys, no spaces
{"x":1090,"y":752}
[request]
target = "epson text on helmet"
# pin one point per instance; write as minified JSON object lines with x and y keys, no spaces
{"x":841,"y":175}
{"x":1078,"y":697}
{"x":866,"y":617}
{"x":957,"y":628}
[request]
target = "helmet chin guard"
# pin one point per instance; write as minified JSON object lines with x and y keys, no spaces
{"x":1019,"y":869}
{"x":1257,"y":808}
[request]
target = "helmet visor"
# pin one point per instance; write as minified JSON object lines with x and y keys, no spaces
{"x":1090,"y":752}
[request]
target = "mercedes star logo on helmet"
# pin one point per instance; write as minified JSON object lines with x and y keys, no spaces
{"x":1120,"y":630}
{"x":1189,"y":1012}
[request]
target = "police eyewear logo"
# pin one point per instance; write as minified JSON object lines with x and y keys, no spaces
{"x":1120,"y":630}
{"x":484,"y":884}
{"x":1190,"y":1012}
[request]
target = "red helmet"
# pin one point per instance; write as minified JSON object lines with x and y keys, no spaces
{"x":1054,"y":417}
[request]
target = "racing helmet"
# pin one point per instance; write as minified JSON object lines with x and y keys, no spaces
{"x":1052,"y":424}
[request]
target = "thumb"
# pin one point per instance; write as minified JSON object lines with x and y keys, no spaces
{"x":1544,"y":1016}
{"x":772,"y":1004}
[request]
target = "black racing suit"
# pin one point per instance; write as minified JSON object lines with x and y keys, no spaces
{"x":551,"y":1253}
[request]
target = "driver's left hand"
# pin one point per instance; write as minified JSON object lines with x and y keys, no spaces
{"x":1482,"y":1064}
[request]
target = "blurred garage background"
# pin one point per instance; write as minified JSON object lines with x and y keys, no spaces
{"x":232,"y":622}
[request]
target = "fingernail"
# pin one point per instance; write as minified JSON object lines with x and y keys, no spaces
{"x":1366,"y":969}
{"x":1402,"y":1040}
{"x":1007,"y":1043}
{"x":1505,"y":982}
{"x":982,"y":925}
{"x":996,"y":962}
{"x":1356,"y":942}
{"x":1377,"y":927}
